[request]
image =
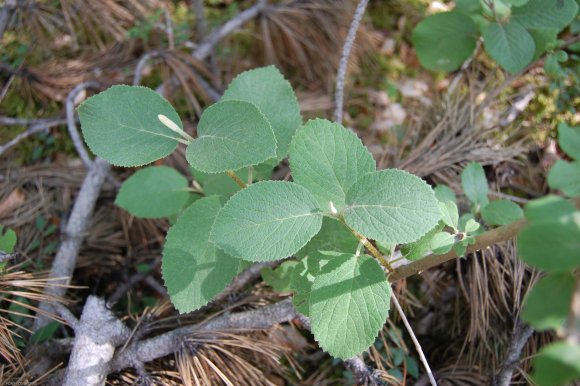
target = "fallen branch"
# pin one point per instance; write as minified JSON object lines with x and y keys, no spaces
{"x":521,"y":335}
{"x":97,"y":334}
{"x":73,"y":235}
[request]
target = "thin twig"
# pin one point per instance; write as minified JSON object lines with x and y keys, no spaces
{"x":71,"y":123}
{"x":341,"y":75}
{"x":141,"y":65}
{"x":206,"y":47}
{"x":200,"y":22}
{"x":6,"y":15}
{"x":237,"y":179}
{"x":38,"y":126}
{"x":414,"y":339}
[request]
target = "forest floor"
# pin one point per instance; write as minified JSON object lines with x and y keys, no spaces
{"x":463,"y":312}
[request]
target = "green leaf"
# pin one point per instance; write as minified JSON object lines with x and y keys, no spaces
{"x":444,"y":193}
{"x":516,"y":3}
{"x":231,"y":135}
{"x":121,"y":125}
{"x":471,"y":225}
{"x":543,"y":38}
{"x":442,"y":243}
{"x":194,"y":270}
{"x":460,"y":247}
{"x":468,"y":6}
{"x":474,"y":184}
{"x":557,"y":364}
{"x":548,"y":208}
{"x":565,"y":176}
{"x":327,"y":159}
{"x":349,"y":304}
{"x":449,"y":214}
{"x":420,"y":248}
{"x":333,"y":236}
{"x":267,"y":221}
{"x":548,"y":304}
{"x":551,"y":245}
{"x":279,"y":278}
{"x":152,"y":192}
{"x":552,"y":67}
{"x":569,"y":140}
{"x":266,"y":88}
{"x":303,"y":276}
{"x":510,"y":45}
{"x":445,"y":40}
{"x":7,"y":239}
{"x":555,"y":14}
{"x":501,"y":212}
{"x":392,"y":206}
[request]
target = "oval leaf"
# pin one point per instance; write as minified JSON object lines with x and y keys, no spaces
{"x":231,"y":135}
{"x":510,"y":45}
{"x":267,"y":221}
{"x":548,"y":304}
{"x":565,"y":176}
{"x":445,"y":40}
{"x":273,"y":95}
{"x":152,"y":192}
{"x":349,"y":304}
{"x":545,"y":13}
{"x":392,"y":206}
{"x":327,"y":159}
{"x":501,"y":212}
{"x":194,"y":270}
{"x":557,"y":364}
{"x":569,"y":140}
{"x":121,"y":125}
{"x":474,"y":184}
{"x":552,"y":245}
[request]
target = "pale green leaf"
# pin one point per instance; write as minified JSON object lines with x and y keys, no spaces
{"x":460,"y":247}
{"x":349,"y":304}
{"x":449,"y":214}
{"x":303,"y":276}
{"x":510,"y":45}
{"x":445,"y":40}
{"x":557,"y":364}
{"x":231,"y":135}
{"x":152,"y":192}
{"x":194,"y":270}
{"x":555,"y":14}
{"x":442,"y":243}
{"x":444,"y":193}
{"x":474,"y":184}
{"x":121,"y":125}
{"x":565,"y":176}
{"x":421,"y":247}
{"x":548,"y":208}
{"x":266,"y":88}
{"x":327,"y":159}
{"x":569,"y":140}
{"x":548,"y":304}
{"x":392,"y":206}
{"x":551,"y":245}
{"x":333,"y":236}
{"x":279,"y":278}
{"x":501,"y":212}
{"x":7,"y":239}
{"x":471,"y":225}
{"x":267,"y":221}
